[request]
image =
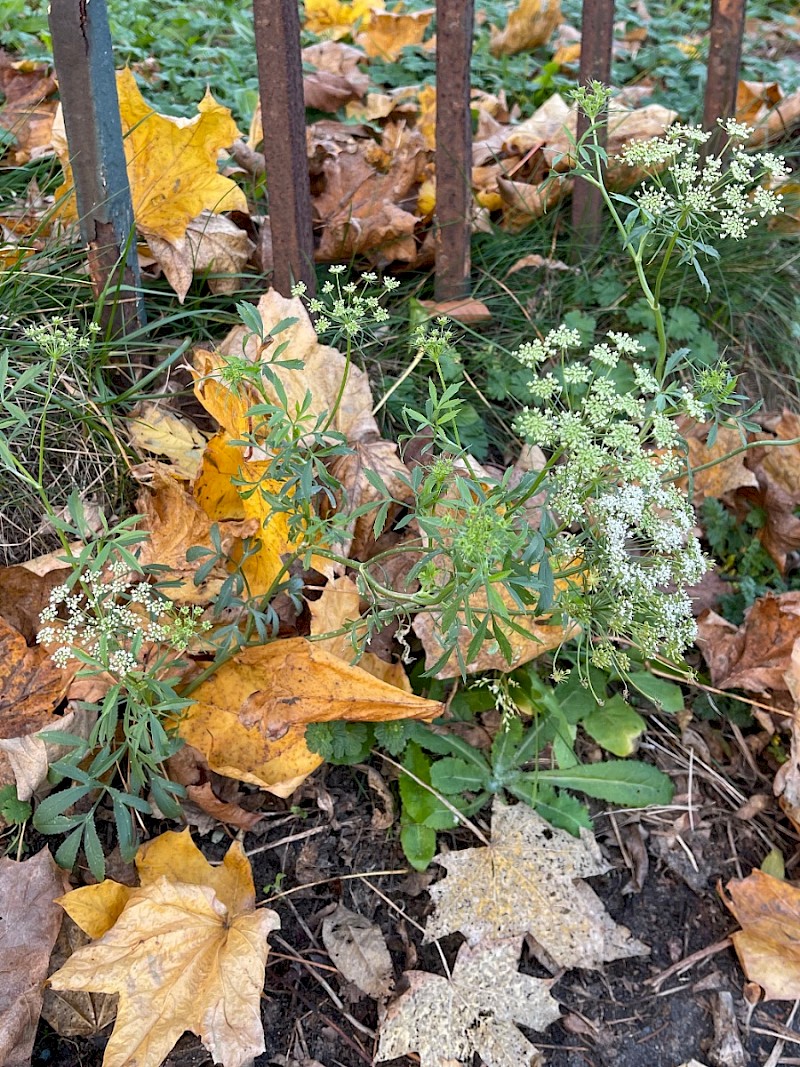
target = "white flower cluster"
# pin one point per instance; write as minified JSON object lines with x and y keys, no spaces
{"x":103,"y":619}
{"x":705,"y":197}
{"x":612,"y":492}
{"x":58,"y":338}
{"x":350,"y":306}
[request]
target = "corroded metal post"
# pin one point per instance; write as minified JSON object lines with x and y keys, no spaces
{"x":597,"y":38}
{"x":85,"y":69}
{"x":724,"y":58}
{"x":454,"y":20}
{"x":283,"y":115}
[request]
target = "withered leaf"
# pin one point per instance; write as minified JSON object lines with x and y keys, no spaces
{"x":768,"y":910}
{"x":31,"y":685}
{"x":756,"y":655}
{"x":476,"y":1011}
{"x":529,"y":881}
{"x":29,"y":924}
{"x":358,"y":949}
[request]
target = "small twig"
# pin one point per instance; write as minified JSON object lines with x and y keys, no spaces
{"x":335,"y":999}
{"x":327,"y":881}
{"x":399,"y":910}
{"x":689,"y":961}
{"x":287,"y":840}
{"x":777,"y":1052}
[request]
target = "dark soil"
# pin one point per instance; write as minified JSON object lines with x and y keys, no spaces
{"x":611,"y":1018}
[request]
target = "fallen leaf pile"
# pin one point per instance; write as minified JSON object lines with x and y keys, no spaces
{"x":371,"y":164}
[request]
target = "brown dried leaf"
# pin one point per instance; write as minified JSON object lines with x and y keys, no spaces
{"x":210,"y":243}
{"x":754,"y":100}
{"x":464,"y":309}
{"x":725,"y":477}
{"x":529,"y":881}
{"x":75,"y":1014}
{"x":29,"y":106}
{"x":768,"y":945}
{"x":31,"y":685}
{"x":787,"y":780}
{"x":29,"y":924}
{"x":24,"y":595}
{"x":756,"y":655}
{"x":781,"y":463}
{"x":357,"y":948}
{"x":476,"y":1011}
{"x":359,"y":209}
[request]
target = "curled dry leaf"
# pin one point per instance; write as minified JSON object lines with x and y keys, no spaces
{"x":768,"y":910}
{"x":359,"y":210}
{"x":787,"y":779}
{"x":185,"y":950}
{"x":29,"y":756}
{"x":212,"y":244}
{"x":31,"y":685}
{"x":249,"y":718}
{"x":336,"y":78}
{"x":529,"y":25}
{"x":358,"y":950}
{"x":29,"y":924}
{"x":172,"y":163}
{"x":156,"y":429}
{"x":29,"y":106}
{"x":529,"y":881}
{"x":756,"y":655}
{"x":476,"y":1011}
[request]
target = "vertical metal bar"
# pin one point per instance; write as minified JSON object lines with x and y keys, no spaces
{"x":85,"y":68}
{"x":597,"y":38}
{"x":283,"y":115}
{"x":724,"y":57}
{"x":454,"y":19}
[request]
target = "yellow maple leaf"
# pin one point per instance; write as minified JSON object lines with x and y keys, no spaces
{"x":186,"y":951}
{"x":389,"y":32}
{"x":249,"y":718}
{"x":529,"y":25}
{"x":172,"y":163}
{"x":336,"y":18}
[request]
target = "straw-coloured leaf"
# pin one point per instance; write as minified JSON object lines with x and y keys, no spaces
{"x":529,"y":881}
{"x":476,"y":1011}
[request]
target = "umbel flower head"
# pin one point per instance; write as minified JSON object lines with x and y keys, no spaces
{"x":703,"y":198}
{"x":613,"y":495}
{"x":103,"y":621}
